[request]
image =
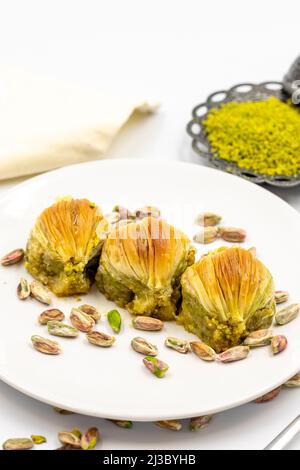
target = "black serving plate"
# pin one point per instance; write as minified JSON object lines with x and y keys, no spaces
{"x":241,"y":92}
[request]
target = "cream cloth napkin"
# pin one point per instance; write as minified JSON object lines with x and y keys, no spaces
{"x":46,"y":124}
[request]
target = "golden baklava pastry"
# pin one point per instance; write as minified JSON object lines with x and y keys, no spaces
{"x":64,"y":246}
{"x":141,"y":265}
{"x":225,"y":295}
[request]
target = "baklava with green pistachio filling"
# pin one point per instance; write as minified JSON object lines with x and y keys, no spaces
{"x":141,"y":265}
{"x":64,"y":246}
{"x":225,"y":295}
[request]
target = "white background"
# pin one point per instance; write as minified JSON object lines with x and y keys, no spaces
{"x":178,"y":51}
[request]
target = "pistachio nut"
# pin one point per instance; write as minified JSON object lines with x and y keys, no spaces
{"x":171,"y":424}
{"x":179,"y":345}
{"x":141,"y":345}
{"x":203,"y":351}
{"x":23,"y":289}
{"x":293,"y":382}
{"x":68,"y":438}
{"x":50,"y":314}
{"x":82,"y":321}
{"x":19,"y":443}
{"x":100,"y":339}
{"x":281,"y":296}
{"x":121,"y":423}
{"x":268,"y":396}
{"x":287,"y":314}
{"x":89,"y":439}
{"x":40,"y":292}
{"x":38,"y":439}
{"x":13,"y":257}
{"x":46,"y":346}
{"x":233,"y":354}
{"x":232,"y":234}
{"x":207,"y":235}
{"x":147,"y":323}
{"x":147,"y":211}
{"x":208,"y":219}
{"x":278,"y":344}
{"x":58,"y":328}
{"x":258,"y":338}
{"x":90,"y":310}
{"x":199,"y":422}
{"x":156,"y":366}
{"x":115,"y":321}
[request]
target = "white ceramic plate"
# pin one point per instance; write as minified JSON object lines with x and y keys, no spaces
{"x":113,"y":382}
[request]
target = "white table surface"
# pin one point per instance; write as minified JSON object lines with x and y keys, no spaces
{"x":178,"y":51}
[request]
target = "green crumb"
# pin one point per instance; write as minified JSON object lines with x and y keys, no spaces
{"x":262,"y":136}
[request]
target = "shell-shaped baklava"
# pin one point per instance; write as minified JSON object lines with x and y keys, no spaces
{"x":141,"y":265}
{"x":225,"y":295}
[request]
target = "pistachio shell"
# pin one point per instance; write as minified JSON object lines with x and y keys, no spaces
{"x":23,"y":289}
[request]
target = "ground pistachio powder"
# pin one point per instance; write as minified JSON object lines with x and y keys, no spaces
{"x":262,"y":136}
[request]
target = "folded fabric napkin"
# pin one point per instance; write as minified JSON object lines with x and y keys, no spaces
{"x":46,"y":124}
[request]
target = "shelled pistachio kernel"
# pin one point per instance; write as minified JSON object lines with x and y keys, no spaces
{"x":278,"y":344}
{"x":147,"y":323}
{"x":90,"y":310}
{"x":38,"y":439}
{"x":268,"y":396}
{"x":81,"y":320}
{"x":115,"y":321}
{"x":18,"y":443}
{"x":156,"y":366}
{"x":171,"y":424}
{"x":40,"y":292}
{"x":232,"y":234}
{"x":281,"y":296}
{"x":89,"y":439}
{"x":45,"y":346}
{"x":287,"y":314}
{"x":100,"y":339}
{"x":15,"y":256}
{"x":51,"y":314}
{"x":207,"y":235}
{"x":23,"y":289}
{"x":259,"y":338}
{"x":58,"y":328}
{"x":208,"y":219}
{"x":203,"y":351}
{"x":236,"y":353}
{"x":142,"y":346}
{"x":200,"y":422}
{"x":293,"y":382}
